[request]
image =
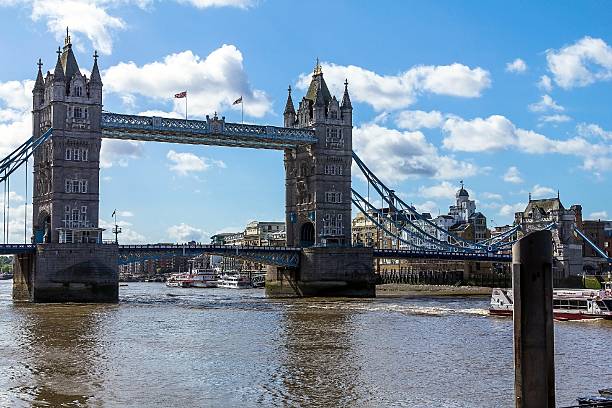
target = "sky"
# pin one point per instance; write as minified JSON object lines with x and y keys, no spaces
{"x":512,"y":98}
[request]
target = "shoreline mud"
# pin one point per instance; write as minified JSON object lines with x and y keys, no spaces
{"x":408,"y":290}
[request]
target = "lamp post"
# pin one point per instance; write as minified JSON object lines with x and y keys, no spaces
{"x":116,"y":229}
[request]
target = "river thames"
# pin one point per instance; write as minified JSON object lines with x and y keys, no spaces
{"x":162,"y":347}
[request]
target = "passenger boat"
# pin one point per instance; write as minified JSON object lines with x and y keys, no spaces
{"x":203,"y":278}
{"x":568,"y":304}
{"x":234,"y":282}
{"x":6,"y":276}
{"x":179,"y":280}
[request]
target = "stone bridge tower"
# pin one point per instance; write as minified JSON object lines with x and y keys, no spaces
{"x":71,"y":263}
{"x":318,"y":177}
{"x":67,"y":166}
{"x":318,"y":202}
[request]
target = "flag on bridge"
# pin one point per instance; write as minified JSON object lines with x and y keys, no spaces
{"x":181,"y":95}
{"x":237,"y":101}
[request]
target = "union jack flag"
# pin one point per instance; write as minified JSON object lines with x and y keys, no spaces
{"x":181,"y":95}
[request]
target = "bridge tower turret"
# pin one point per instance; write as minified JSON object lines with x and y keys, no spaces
{"x":66,"y":167}
{"x":318,"y":177}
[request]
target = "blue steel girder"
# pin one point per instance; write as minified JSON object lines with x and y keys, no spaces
{"x":278,"y":256}
{"x":15,"y":249}
{"x":212,"y":131}
{"x":443,"y":255}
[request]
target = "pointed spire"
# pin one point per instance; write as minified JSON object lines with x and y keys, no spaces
{"x":67,"y":42}
{"x":58,"y":74}
{"x":319,"y":98}
{"x":346,"y":100}
{"x":289,"y":108}
{"x":40,"y":83}
{"x":317,"y":69}
{"x":95,"y":72}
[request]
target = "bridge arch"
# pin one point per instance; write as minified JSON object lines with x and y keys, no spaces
{"x":307,"y":234}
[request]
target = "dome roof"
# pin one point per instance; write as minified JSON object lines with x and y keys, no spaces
{"x":462,"y":192}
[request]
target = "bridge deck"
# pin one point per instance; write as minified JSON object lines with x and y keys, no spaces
{"x":212,"y":131}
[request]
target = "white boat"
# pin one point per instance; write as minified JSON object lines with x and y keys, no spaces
{"x":179,"y":280}
{"x":568,"y":304}
{"x":203,"y":278}
{"x":234,"y":282}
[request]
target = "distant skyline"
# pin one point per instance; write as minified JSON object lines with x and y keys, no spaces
{"x":511,"y":98}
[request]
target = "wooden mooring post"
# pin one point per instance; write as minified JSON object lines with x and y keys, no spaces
{"x":534,"y":364}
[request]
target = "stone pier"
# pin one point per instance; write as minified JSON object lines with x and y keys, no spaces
{"x":331,"y":272}
{"x":67,"y":273}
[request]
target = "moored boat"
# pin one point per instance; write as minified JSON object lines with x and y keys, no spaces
{"x":234,"y":282}
{"x":568,"y":304}
{"x":6,"y":276}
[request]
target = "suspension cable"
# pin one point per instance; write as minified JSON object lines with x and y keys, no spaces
{"x":25,"y":209}
{"x":8,"y":208}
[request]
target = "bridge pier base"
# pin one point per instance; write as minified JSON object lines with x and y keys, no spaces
{"x":331,"y":272}
{"x":83,"y":273}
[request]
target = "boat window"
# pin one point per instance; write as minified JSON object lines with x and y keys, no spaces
{"x":601,"y":305}
{"x":608,"y":303}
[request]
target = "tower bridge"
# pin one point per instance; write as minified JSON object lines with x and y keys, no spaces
{"x":68,"y":261}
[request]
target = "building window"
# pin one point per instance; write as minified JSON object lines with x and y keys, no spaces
{"x":333,"y":139}
{"x":84,"y":209}
{"x":333,"y":197}
{"x":69,"y":186}
{"x":68,"y":154}
{"x":78,"y":113}
{"x":77,"y":154}
{"x":78,"y":91}
{"x":84,"y":154}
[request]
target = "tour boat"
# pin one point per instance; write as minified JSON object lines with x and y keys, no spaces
{"x":235,"y":282}
{"x":6,"y":276}
{"x":179,"y":280}
{"x":568,"y":304}
{"x":203,"y":278}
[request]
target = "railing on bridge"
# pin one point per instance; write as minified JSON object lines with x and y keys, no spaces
{"x":268,"y":255}
{"x":213,"y":131}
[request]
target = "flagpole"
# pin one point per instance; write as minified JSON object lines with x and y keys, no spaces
{"x":185,"y":105}
{"x":242,"y":107}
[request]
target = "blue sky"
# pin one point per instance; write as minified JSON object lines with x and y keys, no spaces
{"x":511,"y":98}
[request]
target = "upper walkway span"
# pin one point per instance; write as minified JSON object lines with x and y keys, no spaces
{"x":212,"y":131}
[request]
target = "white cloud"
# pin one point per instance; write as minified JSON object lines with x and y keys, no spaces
{"x":586,"y":61}
{"x":396,"y":155}
{"x":185,"y":163}
{"x":443,"y":190}
{"x":591,"y":129}
{"x":517,"y":66}
{"x":128,"y":234}
{"x":243,"y":4}
{"x":417,"y":119}
{"x":86,"y":17}
{"x":539,"y":191}
{"x":428,"y":207}
{"x":15,"y":115}
{"x":545,"y":83}
{"x":185,"y":233}
{"x":492,"y":196}
{"x":125,"y":213}
{"x":509,"y":209}
{"x":212,"y":83}
{"x":96,"y":19}
{"x":599,"y":215}
{"x":391,"y":92}
{"x":497,"y":133}
{"x":513,"y":175}
{"x":477,"y":135}
{"x":118,"y":152}
{"x":546,"y":104}
{"x":554,"y":118}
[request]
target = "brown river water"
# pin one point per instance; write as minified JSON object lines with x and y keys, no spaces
{"x":173,"y":347}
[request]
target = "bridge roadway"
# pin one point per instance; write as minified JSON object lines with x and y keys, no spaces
{"x":269,"y":255}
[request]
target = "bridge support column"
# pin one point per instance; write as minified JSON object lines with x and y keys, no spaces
{"x":86,"y":273}
{"x":534,"y":346}
{"x":23,"y":272}
{"x":325,"y":271}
